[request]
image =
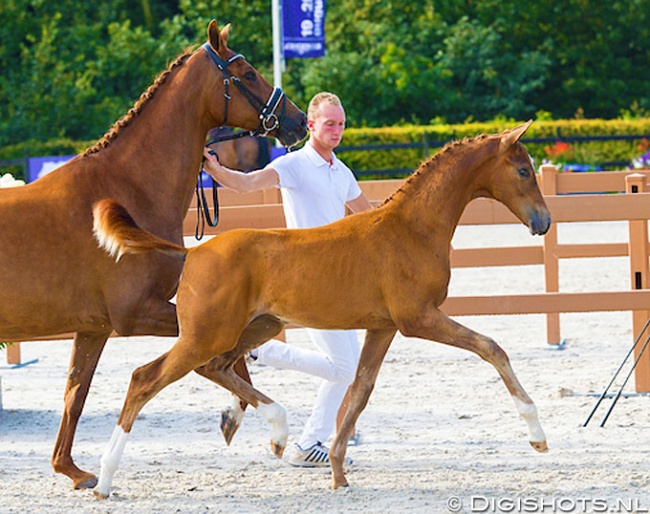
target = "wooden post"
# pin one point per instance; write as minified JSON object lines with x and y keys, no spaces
{"x":551,"y":260}
{"x":13,"y":353}
{"x":638,"y":251}
{"x":271,"y":195}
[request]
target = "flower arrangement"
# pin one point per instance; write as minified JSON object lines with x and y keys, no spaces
{"x":566,"y":157}
{"x":559,"y":154}
{"x":643,"y":161}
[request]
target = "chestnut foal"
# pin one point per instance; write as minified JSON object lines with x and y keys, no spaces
{"x":383,"y":270}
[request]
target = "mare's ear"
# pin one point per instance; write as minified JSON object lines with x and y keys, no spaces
{"x":218,"y":38}
{"x":510,"y":137}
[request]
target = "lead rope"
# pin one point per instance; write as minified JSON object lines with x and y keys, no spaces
{"x":202,"y":208}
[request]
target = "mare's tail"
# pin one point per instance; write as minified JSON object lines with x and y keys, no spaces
{"x":118,"y":233}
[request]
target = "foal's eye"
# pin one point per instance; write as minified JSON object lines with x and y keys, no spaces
{"x":524,"y":172}
{"x":250,"y":76}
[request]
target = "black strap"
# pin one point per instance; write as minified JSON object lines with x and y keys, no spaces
{"x":202,"y":207}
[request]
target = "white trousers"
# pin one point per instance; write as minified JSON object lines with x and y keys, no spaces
{"x":336,"y":363}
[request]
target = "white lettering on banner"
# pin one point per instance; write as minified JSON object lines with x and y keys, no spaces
{"x":306,"y":28}
{"x":319,"y":14}
{"x":303,"y":48}
{"x":307,"y":5}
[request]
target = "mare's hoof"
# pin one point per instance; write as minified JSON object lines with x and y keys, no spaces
{"x":86,"y":483}
{"x":278,"y":449}
{"x":229,"y":424}
{"x":539,"y":446}
{"x":336,"y":486}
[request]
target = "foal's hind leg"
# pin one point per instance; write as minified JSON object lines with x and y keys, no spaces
{"x":272,"y":411}
{"x":258,"y":331}
{"x":86,"y":350}
{"x":146,"y":382}
{"x":437,"y":326}
{"x":221,"y":372}
{"x":231,"y":417}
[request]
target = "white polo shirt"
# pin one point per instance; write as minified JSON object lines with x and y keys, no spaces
{"x":314,"y":192}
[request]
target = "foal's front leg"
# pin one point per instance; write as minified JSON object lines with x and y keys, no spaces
{"x":435,"y":325}
{"x":372,"y":355}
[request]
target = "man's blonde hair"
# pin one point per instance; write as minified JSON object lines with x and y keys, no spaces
{"x":320,"y":98}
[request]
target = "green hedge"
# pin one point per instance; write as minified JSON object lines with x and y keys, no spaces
{"x":593,"y":153}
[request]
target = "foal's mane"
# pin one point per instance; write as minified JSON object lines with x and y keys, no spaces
{"x":434,"y":163}
{"x":134,"y":111}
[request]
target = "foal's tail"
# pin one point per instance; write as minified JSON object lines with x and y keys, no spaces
{"x":118,"y":233}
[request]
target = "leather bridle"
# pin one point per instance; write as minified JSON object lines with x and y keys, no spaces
{"x":269,"y":121}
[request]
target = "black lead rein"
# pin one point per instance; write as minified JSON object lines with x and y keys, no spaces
{"x":202,"y":207}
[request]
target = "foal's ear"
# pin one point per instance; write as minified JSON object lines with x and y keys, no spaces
{"x":218,"y":38}
{"x":510,"y":137}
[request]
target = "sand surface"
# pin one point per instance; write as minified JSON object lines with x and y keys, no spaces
{"x":440,"y":433}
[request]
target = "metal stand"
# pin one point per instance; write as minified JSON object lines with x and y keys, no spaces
{"x":620,"y":391}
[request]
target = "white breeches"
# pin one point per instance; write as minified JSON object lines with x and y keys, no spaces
{"x":336,"y":363}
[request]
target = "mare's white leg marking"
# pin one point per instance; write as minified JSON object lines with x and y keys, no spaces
{"x":528,"y":411}
{"x":276,"y":414}
{"x":110,"y":460}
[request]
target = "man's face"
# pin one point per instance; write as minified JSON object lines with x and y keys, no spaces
{"x":327,"y":129}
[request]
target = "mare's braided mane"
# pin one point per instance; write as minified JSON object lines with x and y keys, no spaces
{"x":144,"y":99}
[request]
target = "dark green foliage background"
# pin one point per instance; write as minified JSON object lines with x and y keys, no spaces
{"x":69,"y":69}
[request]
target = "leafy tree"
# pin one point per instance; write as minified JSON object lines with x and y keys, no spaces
{"x":70,"y":69}
{"x":598,"y":51}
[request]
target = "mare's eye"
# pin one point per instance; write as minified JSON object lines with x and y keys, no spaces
{"x":524,"y":172}
{"x":250,"y":76}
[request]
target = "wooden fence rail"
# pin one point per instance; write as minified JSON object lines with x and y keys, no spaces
{"x":571,"y":197}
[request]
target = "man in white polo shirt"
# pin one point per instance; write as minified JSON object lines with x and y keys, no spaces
{"x":316,"y":187}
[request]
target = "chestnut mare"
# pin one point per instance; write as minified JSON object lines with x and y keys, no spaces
{"x":60,"y":282}
{"x":384,"y":270}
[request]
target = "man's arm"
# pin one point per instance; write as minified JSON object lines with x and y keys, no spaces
{"x":265,"y":178}
{"x":359,"y":204}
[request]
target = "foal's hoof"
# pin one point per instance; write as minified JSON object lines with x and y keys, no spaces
{"x":277,"y":449}
{"x":229,"y":424}
{"x":100,"y":496}
{"x":87,"y":482}
{"x":539,"y":446}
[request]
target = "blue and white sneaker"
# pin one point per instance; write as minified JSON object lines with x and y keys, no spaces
{"x":355,"y":439}
{"x":316,"y":456}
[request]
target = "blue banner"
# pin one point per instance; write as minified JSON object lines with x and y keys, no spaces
{"x":39,"y":166}
{"x":303,"y":28}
